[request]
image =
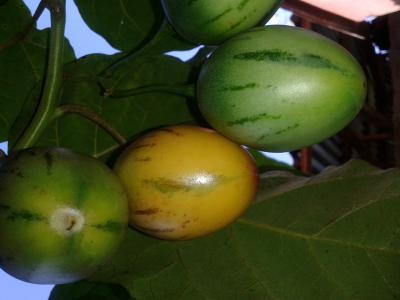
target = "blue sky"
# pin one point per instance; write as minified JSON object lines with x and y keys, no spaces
{"x":85,"y":42}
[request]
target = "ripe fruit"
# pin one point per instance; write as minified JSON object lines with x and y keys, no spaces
{"x":211,"y":22}
{"x":280,"y":88}
{"x":186,"y":181}
{"x":61,"y":215}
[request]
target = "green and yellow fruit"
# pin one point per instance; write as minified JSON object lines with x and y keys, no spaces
{"x":186,"y":181}
{"x":62,"y":214}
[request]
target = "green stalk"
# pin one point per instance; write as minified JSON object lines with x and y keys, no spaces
{"x":53,"y":78}
{"x":91,"y":116}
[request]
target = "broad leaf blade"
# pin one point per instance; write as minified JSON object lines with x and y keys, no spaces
{"x":22,"y":65}
{"x":124,"y":24}
{"x":166,"y":39}
{"x":333,"y":236}
{"x":130,"y":116}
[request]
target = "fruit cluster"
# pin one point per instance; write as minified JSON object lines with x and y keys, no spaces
{"x":274,"y":88}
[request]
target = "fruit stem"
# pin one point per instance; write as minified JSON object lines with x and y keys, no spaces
{"x":181,"y":90}
{"x":53,"y":78}
{"x":92,"y":116}
{"x":22,"y":35}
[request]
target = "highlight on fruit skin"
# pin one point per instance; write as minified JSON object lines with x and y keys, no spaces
{"x":280,"y":88}
{"x":62,"y":215}
{"x":211,"y":22}
{"x":186,"y":181}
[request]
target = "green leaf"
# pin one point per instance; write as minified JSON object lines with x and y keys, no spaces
{"x":22,"y":64}
{"x":166,"y":39}
{"x":124,"y":24}
{"x":332,"y":236}
{"x":85,"y":290}
{"x":131,"y":115}
{"x":11,"y":15}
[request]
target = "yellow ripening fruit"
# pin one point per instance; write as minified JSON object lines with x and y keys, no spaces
{"x":186,"y":181}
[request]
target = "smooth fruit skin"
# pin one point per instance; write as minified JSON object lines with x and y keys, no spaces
{"x":211,"y":22}
{"x":62,"y":214}
{"x":186,"y":181}
{"x":280,"y":88}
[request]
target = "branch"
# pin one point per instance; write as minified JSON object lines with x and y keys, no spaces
{"x":22,"y":35}
{"x":92,"y":116}
{"x":53,"y":78}
{"x":181,"y":90}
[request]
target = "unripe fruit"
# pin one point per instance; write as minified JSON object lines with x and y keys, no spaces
{"x":280,"y":88}
{"x":62,"y":214}
{"x":211,"y":22}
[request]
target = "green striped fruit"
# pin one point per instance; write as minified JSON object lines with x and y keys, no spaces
{"x":62,"y":214}
{"x":280,"y":88}
{"x":211,"y":22}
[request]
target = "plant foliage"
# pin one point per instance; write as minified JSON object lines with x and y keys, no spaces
{"x":332,"y":236}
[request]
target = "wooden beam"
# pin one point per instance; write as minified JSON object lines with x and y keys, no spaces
{"x":394,"y":58}
{"x":327,"y":19}
{"x":305,"y":160}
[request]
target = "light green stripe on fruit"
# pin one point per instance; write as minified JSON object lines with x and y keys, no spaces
{"x":238,"y":23}
{"x":109,"y":226}
{"x":240,"y":87}
{"x":216,"y":18}
{"x":275,"y":55}
{"x":165,"y":185}
{"x":81,"y":190}
{"x":284,"y":130}
{"x":254,"y":118}
{"x":197,"y":184}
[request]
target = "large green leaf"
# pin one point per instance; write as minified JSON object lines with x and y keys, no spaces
{"x":334,"y":236}
{"x":125,"y":24}
{"x":22,"y":64}
{"x":166,"y":39}
{"x":130,"y":115}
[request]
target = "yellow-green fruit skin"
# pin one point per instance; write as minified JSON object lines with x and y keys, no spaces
{"x":186,"y":181}
{"x":62,"y":214}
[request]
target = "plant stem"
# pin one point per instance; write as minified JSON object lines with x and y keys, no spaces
{"x":53,"y":78}
{"x":22,"y":35}
{"x":90,"y":115}
{"x":181,"y":90}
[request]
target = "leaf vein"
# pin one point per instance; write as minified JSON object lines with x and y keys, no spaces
{"x":353,"y":210}
{"x":302,"y":236}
